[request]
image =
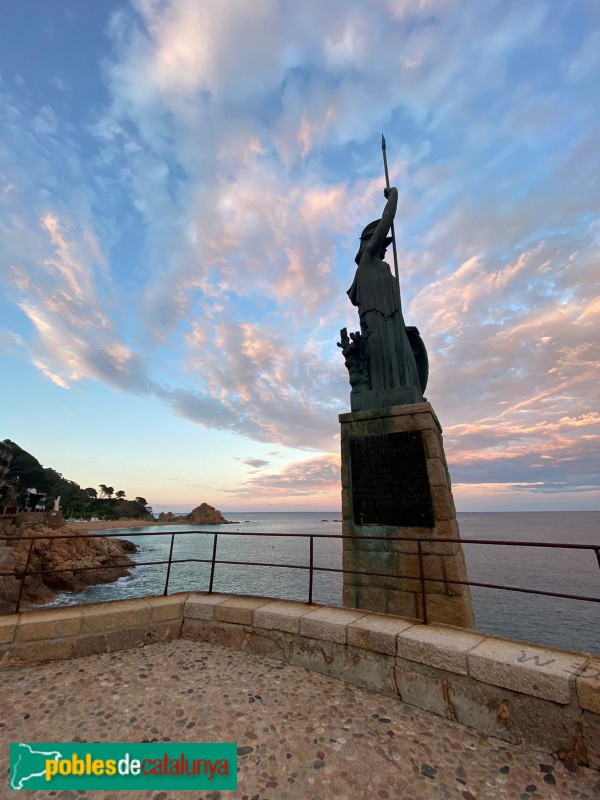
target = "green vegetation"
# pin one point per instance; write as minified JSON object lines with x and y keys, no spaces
{"x":20,"y":471}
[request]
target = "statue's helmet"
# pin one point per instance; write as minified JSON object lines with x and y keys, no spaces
{"x":370,"y":230}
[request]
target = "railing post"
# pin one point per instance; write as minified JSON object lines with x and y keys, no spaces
{"x":597,"y":551}
{"x":166,"y":591}
{"x":25,"y":571}
{"x":310,"y":571}
{"x":212,"y":566}
{"x":422,"y":577}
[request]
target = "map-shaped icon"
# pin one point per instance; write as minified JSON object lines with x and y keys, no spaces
{"x":29,"y":764}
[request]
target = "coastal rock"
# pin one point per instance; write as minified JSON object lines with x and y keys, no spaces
{"x":206,"y":515}
{"x":201,"y":515}
{"x":73,"y":555}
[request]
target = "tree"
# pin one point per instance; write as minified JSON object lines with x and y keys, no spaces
{"x":109,"y":492}
{"x":141,"y":500}
{"x":91,"y":493}
{"x":103,"y":490}
{"x":120,"y":495}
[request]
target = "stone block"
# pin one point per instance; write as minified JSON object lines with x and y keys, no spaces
{"x":345,"y":471}
{"x":359,"y":562}
{"x":167,"y":608}
{"x":326,"y":657}
{"x":401,"y":604}
{"x":368,"y":597}
{"x":432,"y":568}
{"x":438,"y":646}
{"x":8,"y":625}
{"x":400,"y":540}
{"x":367,"y":538}
{"x":588,"y":686}
{"x":541,"y":672}
{"x":282,"y":615}
{"x":591,"y":738}
{"x":428,"y":692}
{"x":443,"y":504}
{"x":349,"y":596}
{"x":347,"y":514}
{"x":24,"y":653}
{"x":433,"y":445}
{"x":438,"y":475}
{"x":516,"y":717}
{"x":115,"y":615}
{"x":370,"y":670}
{"x":328,"y":624}
{"x":447,"y":610}
{"x":269,"y":643}
{"x":221,"y":633}
{"x":455,"y":569}
{"x":48,"y":624}
{"x":239,"y":610}
{"x":90,"y":645}
{"x":202,"y":605}
{"x":377,"y":632}
{"x":444,"y":529}
{"x":125,"y":639}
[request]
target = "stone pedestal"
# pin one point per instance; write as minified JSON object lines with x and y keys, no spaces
{"x":395,"y":482}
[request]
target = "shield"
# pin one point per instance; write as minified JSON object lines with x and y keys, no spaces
{"x":420,"y":353}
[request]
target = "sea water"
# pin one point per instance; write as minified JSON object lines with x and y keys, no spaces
{"x":571,"y":624}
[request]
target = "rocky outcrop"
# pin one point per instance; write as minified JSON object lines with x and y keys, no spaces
{"x":206,"y":515}
{"x":201,"y":515}
{"x":170,"y":517}
{"x":74,"y":555}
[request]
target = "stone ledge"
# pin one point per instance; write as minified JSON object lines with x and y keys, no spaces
{"x":588,"y":687}
{"x":8,"y":626}
{"x":239,"y":609}
{"x":377,"y":632}
{"x":389,"y":411}
{"x":537,"y":671}
{"x":101,"y":617}
{"x":438,"y":646}
{"x":48,"y":623}
{"x":201,"y":605}
{"x":329,"y":623}
{"x":282,"y":615}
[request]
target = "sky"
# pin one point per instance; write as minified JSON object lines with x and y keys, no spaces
{"x":182,"y":188}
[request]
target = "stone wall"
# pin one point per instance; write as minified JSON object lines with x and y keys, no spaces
{"x":442,"y":561}
{"x":545,"y":698}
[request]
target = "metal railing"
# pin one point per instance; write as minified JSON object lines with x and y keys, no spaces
{"x":22,"y":575}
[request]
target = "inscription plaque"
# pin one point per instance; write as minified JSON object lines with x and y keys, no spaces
{"x":390,"y":485}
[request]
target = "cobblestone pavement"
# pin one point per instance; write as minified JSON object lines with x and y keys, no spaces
{"x":299,"y":734}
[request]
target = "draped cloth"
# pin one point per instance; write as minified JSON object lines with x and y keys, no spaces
{"x":376,"y":294}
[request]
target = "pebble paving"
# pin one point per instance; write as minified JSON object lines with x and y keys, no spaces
{"x":299,"y":733}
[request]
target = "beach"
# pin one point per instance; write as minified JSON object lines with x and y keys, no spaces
{"x":110,"y":524}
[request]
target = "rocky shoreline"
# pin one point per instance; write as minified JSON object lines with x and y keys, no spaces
{"x":109,"y":557}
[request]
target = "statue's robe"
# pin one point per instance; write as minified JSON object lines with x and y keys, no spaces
{"x":376,"y":294}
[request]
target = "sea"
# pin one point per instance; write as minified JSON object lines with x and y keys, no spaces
{"x":569,"y":624}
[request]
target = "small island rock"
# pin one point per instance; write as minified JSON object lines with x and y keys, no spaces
{"x":206,"y":515}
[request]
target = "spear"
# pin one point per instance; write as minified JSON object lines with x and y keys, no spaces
{"x":387,"y":183}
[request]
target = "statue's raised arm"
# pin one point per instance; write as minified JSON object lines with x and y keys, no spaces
{"x":378,"y":239}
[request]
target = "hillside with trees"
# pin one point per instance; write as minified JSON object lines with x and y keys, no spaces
{"x":20,"y":472}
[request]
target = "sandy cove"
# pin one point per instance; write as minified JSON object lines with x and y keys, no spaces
{"x":110,"y":524}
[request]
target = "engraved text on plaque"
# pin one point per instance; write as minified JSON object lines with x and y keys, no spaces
{"x":390,"y":485}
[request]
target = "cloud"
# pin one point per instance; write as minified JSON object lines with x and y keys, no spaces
{"x":256,"y":463}
{"x":192,"y":236}
{"x":314,"y":477}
